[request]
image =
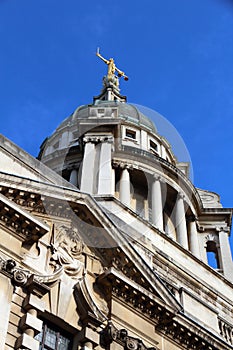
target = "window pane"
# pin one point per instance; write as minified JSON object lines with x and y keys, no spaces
{"x":39,"y":337}
{"x":63,"y":343}
{"x":50,"y":338}
{"x":131,"y":134}
{"x":153,"y":146}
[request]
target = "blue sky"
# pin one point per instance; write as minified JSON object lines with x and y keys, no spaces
{"x":177,"y":53}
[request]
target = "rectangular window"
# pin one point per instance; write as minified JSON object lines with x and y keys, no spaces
{"x":130,"y":134}
{"x":52,"y":338}
{"x":56,"y":145}
{"x":153,"y":146}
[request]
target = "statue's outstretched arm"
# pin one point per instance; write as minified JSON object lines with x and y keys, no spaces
{"x":102,"y":58}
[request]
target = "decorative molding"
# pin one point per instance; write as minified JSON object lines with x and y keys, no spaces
{"x":21,"y":277}
{"x":98,"y":139}
{"x":36,"y":202}
{"x":188,"y":336}
{"x":211,"y":237}
{"x":27,"y":227}
{"x":226,"y":331}
{"x":209,"y":199}
{"x":181,"y":195}
{"x":91,"y":304}
{"x":157,"y":177}
{"x":111,"y":334}
{"x":123,"y":165}
{"x":223,"y":229}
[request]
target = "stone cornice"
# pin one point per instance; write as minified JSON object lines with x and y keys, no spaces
{"x":187,"y":332}
{"x":172,"y":324}
{"x":142,"y":299}
{"x":26,"y":226}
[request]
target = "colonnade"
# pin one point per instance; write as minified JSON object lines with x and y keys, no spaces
{"x":98,"y":177}
{"x":184,"y":227}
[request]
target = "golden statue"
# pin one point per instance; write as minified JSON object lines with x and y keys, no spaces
{"x":111,"y":68}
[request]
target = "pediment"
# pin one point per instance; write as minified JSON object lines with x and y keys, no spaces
{"x":129,"y":270}
{"x":16,"y":162}
{"x":132,"y":280}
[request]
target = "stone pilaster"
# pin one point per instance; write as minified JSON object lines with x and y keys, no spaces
{"x":105,"y":166}
{"x":225,"y":251}
{"x":125,"y":187}
{"x":156,"y":203}
{"x":29,"y":324}
{"x":6,"y":293}
{"x":181,"y":229}
{"x":193,"y":237}
{"x":88,"y":338}
{"x":113,"y":181}
{"x":88,"y":167}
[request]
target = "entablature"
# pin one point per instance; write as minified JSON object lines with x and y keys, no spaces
{"x":25,"y":226}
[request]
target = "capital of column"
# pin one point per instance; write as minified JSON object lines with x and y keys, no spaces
{"x":191,"y":218}
{"x":122,"y":165}
{"x":212,"y":238}
{"x":223,"y":229}
{"x":157,"y":177}
{"x":98,"y":139}
{"x":180,"y":195}
{"x":108,"y":139}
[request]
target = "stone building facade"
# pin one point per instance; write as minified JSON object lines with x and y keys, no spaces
{"x":104,"y":240}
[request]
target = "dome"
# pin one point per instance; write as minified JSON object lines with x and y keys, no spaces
{"x":126,"y":111}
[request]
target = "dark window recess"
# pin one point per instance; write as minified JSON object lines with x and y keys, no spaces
{"x":153,"y":146}
{"x":75,"y":134}
{"x":212,"y":255}
{"x":56,"y":145}
{"x":130,"y":134}
{"x":53,"y":339}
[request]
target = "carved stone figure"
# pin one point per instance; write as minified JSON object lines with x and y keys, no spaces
{"x":67,"y":250}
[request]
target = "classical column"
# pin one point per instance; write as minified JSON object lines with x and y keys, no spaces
{"x":225,"y":250}
{"x":113,"y":181}
{"x":125,"y":187}
{"x":181,"y":229}
{"x":105,"y":167}
{"x":74,"y":177}
{"x":156,"y":203}
{"x":88,"y":167}
{"x":194,"y":243}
